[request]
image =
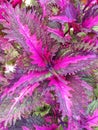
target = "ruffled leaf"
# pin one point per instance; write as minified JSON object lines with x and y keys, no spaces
{"x":17,"y":96}
{"x":64,"y":95}
{"x":21,"y":32}
{"x":80,"y":101}
{"x":91,"y":22}
{"x":61,"y":19}
{"x":90,"y":18}
{"x":69,"y":65}
{"x":44,"y":4}
{"x":92,"y":121}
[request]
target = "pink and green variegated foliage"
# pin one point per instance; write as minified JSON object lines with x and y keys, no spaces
{"x":46,"y":50}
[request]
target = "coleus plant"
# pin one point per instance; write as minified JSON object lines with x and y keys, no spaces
{"x":54,"y":44}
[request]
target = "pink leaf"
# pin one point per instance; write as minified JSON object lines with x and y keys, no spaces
{"x":2,"y":126}
{"x":43,"y":5}
{"x":80,"y":101}
{"x":57,"y":32}
{"x":22,"y":89}
{"x":52,"y":127}
{"x":61,"y":19}
{"x":90,"y":22}
{"x":71,"y":11}
{"x":22,"y":33}
{"x":15,"y":2}
{"x":18,"y":99}
{"x":25,"y":128}
{"x":90,"y":18}
{"x":34,"y":45}
{"x":72,"y":64}
{"x":28,"y":77}
{"x":65,"y":95}
{"x":93,"y":120}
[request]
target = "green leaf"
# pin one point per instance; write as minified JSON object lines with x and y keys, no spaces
{"x":96,"y":128}
{"x":92,"y":106}
{"x":43,"y":110}
{"x":60,"y":128}
{"x":95,"y":28}
{"x":66,"y":28}
{"x":81,"y":34}
{"x":96,"y":91}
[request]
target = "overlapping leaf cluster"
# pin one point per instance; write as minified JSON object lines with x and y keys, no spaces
{"x":47,"y":50}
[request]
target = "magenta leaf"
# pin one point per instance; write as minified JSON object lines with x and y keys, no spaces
{"x":56,"y":32}
{"x":93,"y":119}
{"x":15,"y":2}
{"x":68,"y":13}
{"x":71,"y":11}
{"x":25,"y":128}
{"x":64,"y":94}
{"x":44,"y":3}
{"x":56,"y":46}
{"x":17,"y":30}
{"x":52,"y":127}
{"x":2,"y":126}
{"x":78,"y":118}
{"x":92,"y":21}
{"x":90,"y":18}
{"x":61,"y":19}
{"x":19,"y":93}
{"x":72,"y":64}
